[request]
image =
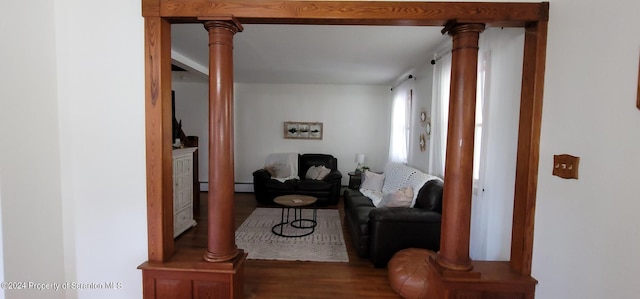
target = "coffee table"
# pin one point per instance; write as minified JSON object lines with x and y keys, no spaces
{"x":295,"y":202}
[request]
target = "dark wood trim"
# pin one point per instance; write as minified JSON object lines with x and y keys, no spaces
{"x":150,"y":8}
{"x":360,"y":12}
{"x":158,"y":138}
{"x":526,"y":184}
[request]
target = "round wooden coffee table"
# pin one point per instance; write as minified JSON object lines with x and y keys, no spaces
{"x":295,"y":202}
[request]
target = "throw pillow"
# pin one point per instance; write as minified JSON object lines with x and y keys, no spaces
{"x":279,"y":170}
{"x":323,"y":172}
{"x":312,"y":173}
{"x":399,"y":199}
{"x":372,"y":181}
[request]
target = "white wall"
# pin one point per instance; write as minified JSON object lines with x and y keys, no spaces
{"x":32,"y":224}
{"x":192,"y":107}
{"x":101,"y":106}
{"x":72,"y":165}
{"x":355,"y":120}
{"x":586,"y":235}
{"x":422,"y":96}
{"x":261,"y":109}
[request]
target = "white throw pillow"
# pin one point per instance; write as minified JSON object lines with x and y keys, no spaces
{"x":399,"y":199}
{"x":313,"y":172}
{"x":323,"y":172}
{"x":372,"y":181}
{"x":317,"y":172}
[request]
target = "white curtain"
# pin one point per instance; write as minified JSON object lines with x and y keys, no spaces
{"x":400,"y":118}
{"x":439,"y":119}
{"x":440,"y":113}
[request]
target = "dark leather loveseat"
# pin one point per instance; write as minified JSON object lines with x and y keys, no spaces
{"x":378,"y":233}
{"x":326,"y":190}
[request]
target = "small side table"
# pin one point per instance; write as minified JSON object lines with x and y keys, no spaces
{"x":295,"y":202}
{"x":355,"y":178}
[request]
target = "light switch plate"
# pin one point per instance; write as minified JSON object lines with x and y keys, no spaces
{"x":566,"y":166}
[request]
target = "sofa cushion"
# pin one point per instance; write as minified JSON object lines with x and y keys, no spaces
{"x":352,"y":201}
{"x":313,"y":185}
{"x":277,"y":185}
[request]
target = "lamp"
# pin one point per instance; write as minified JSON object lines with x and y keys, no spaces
{"x":359,"y":159}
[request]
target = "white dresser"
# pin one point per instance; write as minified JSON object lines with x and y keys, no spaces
{"x":183,"y":190}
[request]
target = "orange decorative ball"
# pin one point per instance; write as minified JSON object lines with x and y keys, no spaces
{"x":407,"y":271}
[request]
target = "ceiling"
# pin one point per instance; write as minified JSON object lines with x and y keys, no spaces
{"x":311,"y":54}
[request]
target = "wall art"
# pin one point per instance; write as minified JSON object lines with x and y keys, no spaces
{"x":303,"y":130}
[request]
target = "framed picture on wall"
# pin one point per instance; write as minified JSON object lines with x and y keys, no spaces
{"x":303,"y":130}
{"x":291,"y":130}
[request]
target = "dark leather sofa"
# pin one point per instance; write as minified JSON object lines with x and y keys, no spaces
{"x":378,"y":233}
{"x":326,"y":190}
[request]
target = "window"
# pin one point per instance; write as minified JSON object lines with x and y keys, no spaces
{"x":400,"y":123}
{"x":442,"y":83}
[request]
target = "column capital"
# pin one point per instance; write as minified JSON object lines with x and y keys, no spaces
{"x":229,"y":23}
{"x":453,"y":28}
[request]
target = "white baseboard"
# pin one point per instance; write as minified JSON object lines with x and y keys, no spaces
{"x":243,"y":187}
{"x":238,"y":187}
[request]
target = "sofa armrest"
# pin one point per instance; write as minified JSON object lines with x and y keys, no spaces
{"x":261,"y":174}
{"x":394,"y":229}
{"x":333,"y":176}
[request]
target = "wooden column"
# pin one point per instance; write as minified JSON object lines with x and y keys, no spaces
{"x":458,"y":173}
{"x":221,"y":239}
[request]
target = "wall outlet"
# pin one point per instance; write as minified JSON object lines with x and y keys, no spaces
{"x":566,"y":166}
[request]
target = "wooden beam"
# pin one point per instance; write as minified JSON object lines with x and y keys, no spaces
{"x":359,"y":12}
{"x":150,"y":8}
{"x":535,"y":45}
{"x":158,"y":138}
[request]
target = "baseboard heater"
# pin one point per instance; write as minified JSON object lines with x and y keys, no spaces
{"x":243,"y":187}
{"x":238,"y":187}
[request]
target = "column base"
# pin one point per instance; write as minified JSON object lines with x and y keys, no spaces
{"x":488,"y":279}
{"x":188,"y":276}
{"x":218,"y":258}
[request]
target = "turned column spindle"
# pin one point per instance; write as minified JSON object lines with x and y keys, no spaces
{"x":458,"y":181}
{"x":221,"y":245}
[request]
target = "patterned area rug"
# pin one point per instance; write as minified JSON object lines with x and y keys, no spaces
{"x":325,"y":244}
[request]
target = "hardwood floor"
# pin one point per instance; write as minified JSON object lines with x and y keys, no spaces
{"x":286,"y":279}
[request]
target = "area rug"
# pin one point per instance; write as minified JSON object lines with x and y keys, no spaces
{"x":325,"y":244}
